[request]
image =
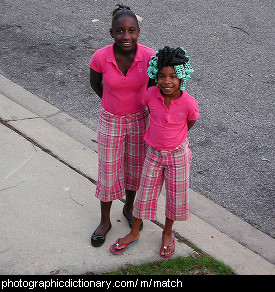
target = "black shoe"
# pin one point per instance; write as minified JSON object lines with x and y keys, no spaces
{"x":98,"y":240}
{"x":130,"y":222}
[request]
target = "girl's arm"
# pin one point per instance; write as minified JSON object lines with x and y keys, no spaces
{"x":96,"y":82}
{"x":190,"y":124}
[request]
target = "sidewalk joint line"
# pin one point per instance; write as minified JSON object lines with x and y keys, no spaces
{"x":5,"y":123}
{"x":26,"y":119}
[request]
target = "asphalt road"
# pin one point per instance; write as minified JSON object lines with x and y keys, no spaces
{"x":45,"y":47}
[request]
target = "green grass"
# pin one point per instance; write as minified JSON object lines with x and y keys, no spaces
{"x":202,"y":265}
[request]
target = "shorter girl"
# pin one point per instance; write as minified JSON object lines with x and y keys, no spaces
{"x":172,"y":113}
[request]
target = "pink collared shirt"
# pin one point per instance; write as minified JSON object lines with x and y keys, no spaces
{"x":168,"y":125}
{"x":122,"y":94}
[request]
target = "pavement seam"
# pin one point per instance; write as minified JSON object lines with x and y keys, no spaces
{"x":5,"y":123}
{"x":16,"y":120}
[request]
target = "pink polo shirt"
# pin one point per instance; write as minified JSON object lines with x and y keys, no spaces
{"x":168,"y":125}
{"x":122,"y":94}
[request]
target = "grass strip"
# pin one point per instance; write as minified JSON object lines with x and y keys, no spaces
{"x":202,"y":265}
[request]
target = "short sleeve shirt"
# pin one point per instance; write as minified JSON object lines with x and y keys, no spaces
{"x":168,"y":125}
{"x":122,"y":94}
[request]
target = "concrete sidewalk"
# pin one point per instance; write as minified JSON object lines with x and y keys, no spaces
{"x":48,"y":170}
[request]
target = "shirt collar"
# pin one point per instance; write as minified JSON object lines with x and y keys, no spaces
{"x":111,"y":56}
{"x":176,"y":101}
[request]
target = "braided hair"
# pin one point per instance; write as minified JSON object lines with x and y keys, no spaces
{"x":176,"y":58}
{"x":122,"y":10}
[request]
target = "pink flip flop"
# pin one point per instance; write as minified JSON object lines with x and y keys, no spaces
{"x":165,"y":247}
{"x":115,"y":250}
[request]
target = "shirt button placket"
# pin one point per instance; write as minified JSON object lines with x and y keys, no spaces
{"x":167,"y":115}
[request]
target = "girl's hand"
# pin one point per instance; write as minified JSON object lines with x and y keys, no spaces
{"x":190,"y":124}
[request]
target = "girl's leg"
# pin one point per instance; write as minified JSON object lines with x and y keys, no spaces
{"x":99,"y":235}
{"x":128,"y":206}
{"x":105,"y":218}
{"x":110,"y":144}
{"x":145,"y":198}
{"x":167,"y":238}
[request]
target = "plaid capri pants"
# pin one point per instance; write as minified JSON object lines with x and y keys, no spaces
{"x":121,"y":153}
{"x":173,"y":167}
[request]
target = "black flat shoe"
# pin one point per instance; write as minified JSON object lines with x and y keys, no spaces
{"x":130,"y":222}
{"x":98,"y":240}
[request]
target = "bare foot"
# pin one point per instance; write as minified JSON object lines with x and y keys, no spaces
{"x":127,"y":239}
{"x":168,"y":245}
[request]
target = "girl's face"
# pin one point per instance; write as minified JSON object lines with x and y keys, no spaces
{"x":168,"y":82}
{"x":125,"y":32}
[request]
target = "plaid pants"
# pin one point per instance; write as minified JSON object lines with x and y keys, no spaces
{"x":173,"y":167}
{"x":121,"y":153}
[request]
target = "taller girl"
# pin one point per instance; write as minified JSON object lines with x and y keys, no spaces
{"x":118,"y":75}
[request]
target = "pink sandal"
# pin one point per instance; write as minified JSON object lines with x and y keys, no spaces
{"x":114,"y":248}
{"x":165,"y":247}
